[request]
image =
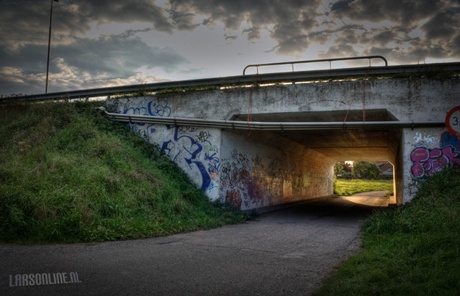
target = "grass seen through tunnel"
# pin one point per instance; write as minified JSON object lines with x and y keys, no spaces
{"x":350,"y":187}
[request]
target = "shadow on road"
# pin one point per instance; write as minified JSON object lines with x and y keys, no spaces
{"x":359,"y":206}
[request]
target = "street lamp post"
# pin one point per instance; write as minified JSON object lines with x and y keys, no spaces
{"x":49,"y":46}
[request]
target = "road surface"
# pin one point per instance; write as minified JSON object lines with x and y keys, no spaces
{"x":287,"y":252}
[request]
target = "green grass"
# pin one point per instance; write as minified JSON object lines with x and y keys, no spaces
{"x":350,"y":187}
{"x":69,"y":175}
{"x":411,"y":250}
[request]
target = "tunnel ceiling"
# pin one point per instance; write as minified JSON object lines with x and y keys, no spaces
{"x":358,"y":144}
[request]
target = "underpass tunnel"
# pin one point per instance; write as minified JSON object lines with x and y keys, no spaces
{"x":308,"y":156}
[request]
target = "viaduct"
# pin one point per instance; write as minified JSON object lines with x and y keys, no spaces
{"x":262,"y":140}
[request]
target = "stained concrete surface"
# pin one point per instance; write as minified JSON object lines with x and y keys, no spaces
{"x":287,"y":252}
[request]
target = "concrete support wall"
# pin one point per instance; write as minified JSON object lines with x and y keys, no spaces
{"x":425,"y":152}
{"x":260,"y":171}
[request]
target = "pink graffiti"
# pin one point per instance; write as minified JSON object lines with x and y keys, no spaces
{"x":426,"y":162}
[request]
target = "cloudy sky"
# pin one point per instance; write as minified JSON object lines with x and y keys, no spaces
{"x":118,"y":42}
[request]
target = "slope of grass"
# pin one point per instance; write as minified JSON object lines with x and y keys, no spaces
{"x":350,"y":187}
{"x":412,"y":250}
{"x":69,"y":175}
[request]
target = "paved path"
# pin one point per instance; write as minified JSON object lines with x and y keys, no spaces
{"x":287,"y":252}
{"x":373,"y":198}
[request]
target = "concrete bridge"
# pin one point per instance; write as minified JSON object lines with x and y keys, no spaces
{"x":263,"y":144}
{"x":262,"y":140}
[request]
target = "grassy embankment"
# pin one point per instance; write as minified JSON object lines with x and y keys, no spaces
{"x":411,"y":250}
{"x":349,"y":187}
{"x":69,"y":175}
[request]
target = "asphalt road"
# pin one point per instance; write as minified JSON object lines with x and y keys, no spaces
{"x":287,"y":252}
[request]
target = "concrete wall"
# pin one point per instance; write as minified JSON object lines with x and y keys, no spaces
{"x":427,"y":151}
{"x":196,"y":151}
{"x":420,"y":99}
{"x":248,"y":169}
{"x":261,"y":170}
{"x":258,"y":170}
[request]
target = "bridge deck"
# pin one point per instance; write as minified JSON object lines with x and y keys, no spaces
{"x":247,"y":80}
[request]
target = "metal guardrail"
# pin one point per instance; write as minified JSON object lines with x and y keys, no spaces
{"x":243,"y":80}
{"x":266,"y":126}
{"x":369,"y":58}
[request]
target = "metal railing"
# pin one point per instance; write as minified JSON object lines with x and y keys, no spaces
{"x":238,"y":81}
{"x":369,"y":58}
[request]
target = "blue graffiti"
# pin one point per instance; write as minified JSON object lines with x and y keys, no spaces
{"x":448,"y":139}
{"x":175,"y":148}
{"x":136,"y":111}
{"x":212,"y":186}
{"x":157,"y":109}
{"x":153,"y":108}
{"x":213,"y":162}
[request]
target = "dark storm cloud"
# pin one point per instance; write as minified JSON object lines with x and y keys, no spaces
{"x":442,"y":25}
{"x":290,"y":20}
{"x":402,"y":12}
{"x":27,"y":22}
{"x":384,"y":38}
{"x":290,"y":37}
{"x":127,"y":11}
{"x":295,"y":25}
{"x":437,"y":21}
{"x":403,"y":31}
{"x":340,"y":5}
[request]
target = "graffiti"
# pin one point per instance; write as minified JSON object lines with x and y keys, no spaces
{"x":233,"y":197}
{"x":429,"y":161}
{"x":203,"y":136}
{"x":423,"y":140}
{"x":188,"y":147}
{"x":211,"y":187}
{"x":149,"y":107}
{"x":248,"y":182}
{"x":255,"y":187}
{"x":426,"y":162}
{"x":156,"y":108}
{"x":447,"y":139}
{"x":213,"y":164}
{"x":187,"y":129}
{"x":234,"y":173}
{"x":184,"y":147}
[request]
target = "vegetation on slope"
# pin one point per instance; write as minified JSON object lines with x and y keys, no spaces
{"x":411,"y":250}
{"x":69,"y":175}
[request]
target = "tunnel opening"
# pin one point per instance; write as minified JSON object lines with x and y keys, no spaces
{"x":365,"y":182}
{"x":311,"y":154}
